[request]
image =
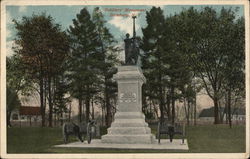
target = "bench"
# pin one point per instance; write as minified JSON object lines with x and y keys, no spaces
{"x":168,"y":129}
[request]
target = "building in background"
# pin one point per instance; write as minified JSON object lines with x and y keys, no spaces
{"x":26,"y":116}
{"x":238,"y":115}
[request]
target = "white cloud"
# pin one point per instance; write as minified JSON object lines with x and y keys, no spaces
{"x":8,"y":18}
{"x":9,"y":50}
{"x":22,"y":9}
{"x":125,"y":24}
{"x":8,"y":32}
{"x":9,"y":24}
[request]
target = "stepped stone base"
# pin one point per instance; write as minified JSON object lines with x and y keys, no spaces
{"x":129,"y":126}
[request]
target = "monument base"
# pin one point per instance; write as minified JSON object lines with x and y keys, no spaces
{"x":165,"y":144}
{"x":129,"y":126}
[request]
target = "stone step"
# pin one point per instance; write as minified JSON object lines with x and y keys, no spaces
{"x":129,"y":123}
{"x":129,"y":130}
{"x":130,"y":120}
{"x":118,"y":124}
{"x":128,"y":139}
{"x":128,"y":107}
{"x":129,"y":115}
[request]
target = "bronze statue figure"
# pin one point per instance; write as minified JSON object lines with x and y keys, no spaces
{"x":131,"y":47}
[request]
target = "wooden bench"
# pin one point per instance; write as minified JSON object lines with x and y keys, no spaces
{"x":168,"y":129}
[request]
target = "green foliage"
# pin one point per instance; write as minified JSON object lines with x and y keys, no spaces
{"x":85,"y":57}
{"x":153,"y":60}
{"x":202,"y":44}
{"x":92,"y":59}
{"x":214,"y":46}
{"x":84,"y":43}
{"x":42,"y":48}
{"x":17,"y":82}
{"x":12,"y":100}
{"x":107,"y":64}
{"x":60,"y":98}
{"x":16,"y":75}
{"x":39,"y":42}
{"x":163,"y":63}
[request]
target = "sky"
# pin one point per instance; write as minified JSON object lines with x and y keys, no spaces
{"x":118,"y":25}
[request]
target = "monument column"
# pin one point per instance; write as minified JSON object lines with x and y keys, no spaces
{"x":129,"y":126}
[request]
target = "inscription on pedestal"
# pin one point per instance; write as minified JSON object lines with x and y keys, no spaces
{"x":127,"y":97}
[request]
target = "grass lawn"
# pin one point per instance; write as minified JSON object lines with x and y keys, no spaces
{"x":204,"y":139}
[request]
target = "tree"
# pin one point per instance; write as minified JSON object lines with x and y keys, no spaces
{"x":60,"y":99}
{"x":234,"y":63}
{"x":17,"y":83}
{"x":16,"y":75}
{"x":85,"y":54}
{"x":164,"y":65}
{"x":206,"y":40}
{"x":107,"y":63}
{"x":179,"y":71}
{"x":13,"y":102}
{"x":152,"y":61}
{"x":42,"y":46}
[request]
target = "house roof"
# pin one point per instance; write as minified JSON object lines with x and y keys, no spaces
{"x":209,"y":112}
{"x":30,"y":110}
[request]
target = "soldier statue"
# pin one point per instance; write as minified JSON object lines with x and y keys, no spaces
{"x":131,"y":47}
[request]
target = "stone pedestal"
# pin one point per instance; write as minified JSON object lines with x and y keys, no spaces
{"x":129,"y":126}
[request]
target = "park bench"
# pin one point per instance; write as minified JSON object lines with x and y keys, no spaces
{"x":165,"y":128}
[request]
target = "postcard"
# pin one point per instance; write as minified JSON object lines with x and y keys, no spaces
{"x":124,"y":79}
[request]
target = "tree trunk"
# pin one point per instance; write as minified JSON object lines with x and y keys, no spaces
{"x":83,"y":110}
{"x":93,"y":109}
{"x":69,"y":112}
{"x":80,"y":110}
{"x":87,"y":104}
{"x":30,"y":120}
{"x":188,"y":112}
{"x":226,"y":107}
{"x":173,"y":104}
{"x":161,"y":101}
{"x":220,"y":112}
{"x":195,"y":111}
{"x":102,"y":115}
{"x":54,"y":119}
{"x":155,"y":109}
{"x":109,"y":115}
{"x":107,"y":105}
{"x":191,"y":112}
{"x":150,"y":109}
{"x":229,"y":108}
{"x":50,"y":102}
{"x":42,"y":107}
{"x":216,"y":111}
{"x":168,"y":107}
{"x":61,"y":114}
{"x":45,"y":101}
{"x":161,"y":108}
{"x":8,"y":118}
